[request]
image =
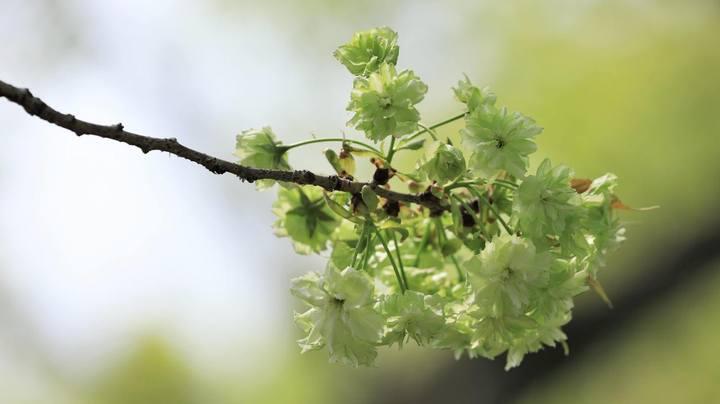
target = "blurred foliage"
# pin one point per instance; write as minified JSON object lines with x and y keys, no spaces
{"x":671,"y":356}
{"x":151,"y":373}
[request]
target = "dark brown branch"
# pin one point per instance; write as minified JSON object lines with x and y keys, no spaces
{"x":37,"y":107}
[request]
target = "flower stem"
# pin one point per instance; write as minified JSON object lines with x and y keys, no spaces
{"x":435,"y":126}
{"x":441,"y":239}
{"x":400,"y":262}
{"x":421,"y":248}
{"x":492,"y":208}
{"x":432,"y":133}
{"x":363,"y":236}
{"x":368,"y":252}
{"x":506,"y":184}
{"x":392,"y":261}
{"x":391,"y":150}
{"x":334,"y":139}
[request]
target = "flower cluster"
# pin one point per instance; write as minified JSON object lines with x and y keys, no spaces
{"x":493,"y":270}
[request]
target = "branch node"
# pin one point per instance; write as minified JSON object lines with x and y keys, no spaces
{"x":306,"y":177}
{"x":335,"y":183}
{"x":119,"y":127}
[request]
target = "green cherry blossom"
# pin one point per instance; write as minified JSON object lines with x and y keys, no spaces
{"x":367,"y":50}
{"x":545,"y":204}
{"x":259,"y":148}
{"x":504,"y":273}
{"x":340,"y":315}
{"x":384,"y":103}
{"x":411,"y":315}
{"x":305,"y":218}
{"x":499,"y":140}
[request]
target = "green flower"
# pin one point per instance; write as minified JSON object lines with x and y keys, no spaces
{"x":367,"y":50}
{"x":305,"y":218}
{"x":545,"y":204}
{"x":606,"y":231}
{"x":499,"y":140}
{"x":446,"y":163}
{"x":532,"y":339}
{"x":409,"y":315}
{"x":564,"y":280}
{"x":504,"y":274}
{"x":472,"y":96}
{"x":384,"y":102}
{"x":459,"y":310}
{"x":340,"y":316}
{"x":259,"y":149}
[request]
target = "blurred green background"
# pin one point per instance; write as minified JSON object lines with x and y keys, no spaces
{"x":630,"y":87}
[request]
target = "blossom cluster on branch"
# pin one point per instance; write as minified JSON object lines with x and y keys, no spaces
{"x":493,"y":269}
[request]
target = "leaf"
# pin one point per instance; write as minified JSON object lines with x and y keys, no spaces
{"x":342,"y":254}
{"x":342,"y":212}
{"x":395,"y":227}
{"x":369,"y":197}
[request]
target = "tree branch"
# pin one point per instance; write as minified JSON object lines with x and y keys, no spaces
{"x":37,"y":107}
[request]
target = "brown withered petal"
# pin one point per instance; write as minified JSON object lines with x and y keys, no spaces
{"x":580,"y":185}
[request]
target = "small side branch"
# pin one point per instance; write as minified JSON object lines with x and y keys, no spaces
{"x":37,"y":107}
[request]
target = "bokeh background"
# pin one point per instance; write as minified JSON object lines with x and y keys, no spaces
{"x":127,"y":278}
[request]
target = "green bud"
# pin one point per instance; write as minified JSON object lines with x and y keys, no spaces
{"x":446,"y":163}
{"x":472,"y":96}
{"x":333,"y":159}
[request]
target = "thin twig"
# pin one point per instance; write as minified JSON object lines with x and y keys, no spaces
{"x":37,"y":107}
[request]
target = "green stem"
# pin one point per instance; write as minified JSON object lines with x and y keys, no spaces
{"x":399,"y":257}
{"x":423,"y":244}
{"x":506,"y":184}
{"x":435,"y":126}
{"x":432,"y":133}
{"x":368,"y":252}
{"x":363,"y":235}
{"x":391,"y":150}
{"x":461,"y":275}
{"x":442,"y":239}
{"x":462,"y":184}
{"x":492,"y":208}
{"x":333,"y":139}
{"x":392,"y":261}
